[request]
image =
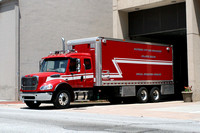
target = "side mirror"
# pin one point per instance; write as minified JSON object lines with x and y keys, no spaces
{"x":40,"y":64}
{"x":78,"y":65}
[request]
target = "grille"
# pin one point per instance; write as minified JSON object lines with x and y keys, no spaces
{"x":29,"y":83}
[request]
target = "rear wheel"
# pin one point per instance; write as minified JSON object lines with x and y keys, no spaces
{"x":32,"y":105}
{"x":142,"y":95}
{"x":155,"y":94}
{"x":62,"y":99}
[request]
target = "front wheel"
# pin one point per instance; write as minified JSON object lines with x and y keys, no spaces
{"x":62,"y":99}
{"x":32,"y":105}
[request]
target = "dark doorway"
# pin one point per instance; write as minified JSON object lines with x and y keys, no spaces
{"x":166,"y":25}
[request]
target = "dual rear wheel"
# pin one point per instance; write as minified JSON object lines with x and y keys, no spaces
{"x":144,"y":96}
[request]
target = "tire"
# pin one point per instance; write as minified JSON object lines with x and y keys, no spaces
{"x":142,"y":95}
{"x":62,"y":99}
{"x":32,"y":105}
{"x":155,"y":94}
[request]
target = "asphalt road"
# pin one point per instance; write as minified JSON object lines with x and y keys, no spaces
{"x":47,"y":119}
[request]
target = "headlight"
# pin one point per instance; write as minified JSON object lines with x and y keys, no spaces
{"x":46,"y":87}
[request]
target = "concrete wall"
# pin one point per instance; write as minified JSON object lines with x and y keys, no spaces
{"x":120,"y":30}
{"x":131,"y":5}
{"x":44,"y":22}
{"x":34,"y":28}
{"x":8,"y":50}
{"x":193,"y":40}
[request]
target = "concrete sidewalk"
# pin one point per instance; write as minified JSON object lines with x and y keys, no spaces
{"x":172,"y":109}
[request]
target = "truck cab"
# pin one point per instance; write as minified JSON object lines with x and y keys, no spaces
{"x":60,"y":75}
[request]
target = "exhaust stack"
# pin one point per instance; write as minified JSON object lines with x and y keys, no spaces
{"x":63,"y":41}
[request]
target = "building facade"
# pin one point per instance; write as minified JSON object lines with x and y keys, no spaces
{"x":175,"y":22}
{"x":30,"y":29}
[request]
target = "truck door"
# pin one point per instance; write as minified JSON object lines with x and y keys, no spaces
{"x":88,"y":72}
{"x":76,"y":80}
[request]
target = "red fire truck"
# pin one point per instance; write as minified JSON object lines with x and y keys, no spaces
{"x":98,"y":67}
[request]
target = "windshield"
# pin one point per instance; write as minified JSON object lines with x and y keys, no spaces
{"x":54,"y":65}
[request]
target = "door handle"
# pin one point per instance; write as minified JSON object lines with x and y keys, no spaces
{"x":81,"y":78}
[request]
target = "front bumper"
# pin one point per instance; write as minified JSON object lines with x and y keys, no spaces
{"x":47,"y":96}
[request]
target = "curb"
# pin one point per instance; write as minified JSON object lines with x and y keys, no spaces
{"x":11,"y":102}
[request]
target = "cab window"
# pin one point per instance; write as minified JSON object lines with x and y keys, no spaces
{"x":54,"y":65}
{"x":74,"y":65}
{"x":87,"y":63}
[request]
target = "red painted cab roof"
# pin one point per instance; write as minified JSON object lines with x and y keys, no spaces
{"x":67,"y":55}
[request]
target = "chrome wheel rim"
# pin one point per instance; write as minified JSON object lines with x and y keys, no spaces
{"x":155,"y":95}
{"x":63,"y":99}
{"x":143,"y":95}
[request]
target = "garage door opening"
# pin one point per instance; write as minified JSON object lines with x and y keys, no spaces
{"x":166,"y":25}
